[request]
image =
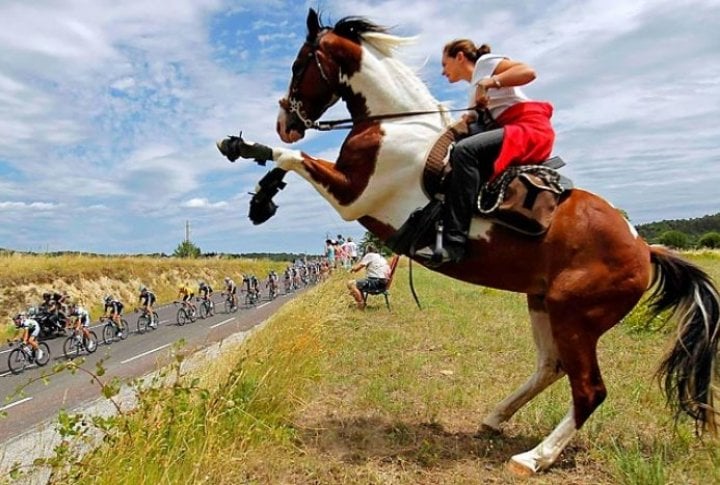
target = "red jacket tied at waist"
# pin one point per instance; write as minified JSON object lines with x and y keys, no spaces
{"x":529,"y":136}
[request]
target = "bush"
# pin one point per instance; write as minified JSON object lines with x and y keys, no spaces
{"x":710,"y":240}
{"x":674,"y":239}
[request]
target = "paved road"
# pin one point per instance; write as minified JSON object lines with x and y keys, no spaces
{"x":138,"y":355}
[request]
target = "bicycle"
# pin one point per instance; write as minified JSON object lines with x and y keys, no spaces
{"x":112,"y":332}
{"x":186,"y":314}
{"x":252,"y":297}
{"x":230,"y":305}
{"x":144,"y":321}
{"x":206,"y":308}
{"x":77,"y":342}
{"x":24,"y":355}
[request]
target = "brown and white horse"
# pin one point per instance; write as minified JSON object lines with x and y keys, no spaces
{"x":581,"y":278}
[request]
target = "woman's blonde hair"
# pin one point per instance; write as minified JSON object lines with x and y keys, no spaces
{"x":467,"y":47}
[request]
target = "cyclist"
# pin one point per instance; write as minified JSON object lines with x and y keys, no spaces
{"x":113,"y":309}
{"x":231,"y":289}
{"x":31,"y":330}
{"x":205,"y":292}
{"x":147,"y":300}
{"x":187,"y":296}
{"x":250,"y":283}
{"x":272,"y":282}
{"x":81,"y":321}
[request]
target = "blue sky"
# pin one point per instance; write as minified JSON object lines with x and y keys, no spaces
{"x":109,"y":110}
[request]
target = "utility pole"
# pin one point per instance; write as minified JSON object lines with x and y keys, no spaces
{"x":187,"y":231}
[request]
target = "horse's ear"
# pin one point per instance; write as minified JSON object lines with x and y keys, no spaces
{"x":313,"y":25}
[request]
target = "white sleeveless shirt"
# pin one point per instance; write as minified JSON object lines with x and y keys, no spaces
{"x":498,"y":99}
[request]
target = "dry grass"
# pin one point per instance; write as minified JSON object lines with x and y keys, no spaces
{"x":327,"y":394}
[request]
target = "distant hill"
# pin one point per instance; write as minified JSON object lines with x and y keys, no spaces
{"x":694,"y":228}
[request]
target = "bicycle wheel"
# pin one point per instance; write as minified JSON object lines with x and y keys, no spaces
{"x":203,"y":310}
{"x":182,"y":317}
{"x":142,"y":323}
{"x":156,"y":321}
{"x":72,"y":346}
{"x":46,"y":354}
{"x":90,"y":342}
{"x":124,"y":329}
{"x":108,"y":333}
{"x":228,"y":306}
{"x":17,"y":361}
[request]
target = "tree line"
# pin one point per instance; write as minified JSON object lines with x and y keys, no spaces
{"x":700,"y":232}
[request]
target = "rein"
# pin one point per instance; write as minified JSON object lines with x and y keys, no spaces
{"x":347,"y":123}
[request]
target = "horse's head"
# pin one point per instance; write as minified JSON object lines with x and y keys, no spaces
{"x":316,"y":83}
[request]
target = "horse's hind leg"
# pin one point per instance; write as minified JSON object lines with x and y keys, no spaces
{"x":578,"y":356}
{"x":547,"y":371}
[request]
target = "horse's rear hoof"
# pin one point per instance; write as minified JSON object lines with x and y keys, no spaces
{"x":485,"y":431}
{"x":518,"y":469}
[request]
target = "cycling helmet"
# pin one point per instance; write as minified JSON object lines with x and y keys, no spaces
{"x":227,"y":279}
{"x":46,"y":295}
{"x":108,"y":298}
{"x":143,"y":289}
{"x":201,"y":284}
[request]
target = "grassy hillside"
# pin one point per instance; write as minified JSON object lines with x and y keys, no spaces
{"x":329,"y":394}
{"x":24,"y":278}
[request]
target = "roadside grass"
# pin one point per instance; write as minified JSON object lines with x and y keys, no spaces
{"x":328,"y":394}
{"x":24,"y":278}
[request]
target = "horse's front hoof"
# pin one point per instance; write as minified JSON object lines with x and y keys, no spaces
{"x":226,"y":148}
{"x":519,"y":469}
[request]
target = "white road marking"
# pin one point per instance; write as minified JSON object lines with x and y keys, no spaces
{"x":145,"y":353}
{"x":223,"y":322}
{"x":13,"y":404}
{"x":5,"y":351}
{"x":5,"y":374}
{"x":260,"y":306}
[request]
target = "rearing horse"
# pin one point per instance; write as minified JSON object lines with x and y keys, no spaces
{"x":581,"y":277}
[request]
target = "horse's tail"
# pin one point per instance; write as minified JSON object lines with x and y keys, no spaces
{"x":688,"y":370}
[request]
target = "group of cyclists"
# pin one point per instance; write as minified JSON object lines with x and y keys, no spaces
{"x":57,"y":312}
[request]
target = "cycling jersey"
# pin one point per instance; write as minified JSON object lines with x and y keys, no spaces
{"x":114,"y":307}
{"x":230,"y":287}
{"x":82,"y":314}
{"x":148,"y":298}
{"x":205,"y":290}
{"x":32,"y":326}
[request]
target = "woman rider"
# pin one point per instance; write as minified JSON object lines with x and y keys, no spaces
{"x":519,"y":133}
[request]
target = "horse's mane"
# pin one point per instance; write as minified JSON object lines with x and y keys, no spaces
{"x":360,"y":29}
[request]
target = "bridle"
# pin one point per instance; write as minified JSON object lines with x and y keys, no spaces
{"x":291,"y":103}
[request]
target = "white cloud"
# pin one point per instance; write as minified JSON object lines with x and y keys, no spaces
{"x":203,"y":203}
{"x":35,"y":206}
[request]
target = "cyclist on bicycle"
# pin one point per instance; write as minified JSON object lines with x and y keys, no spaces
{"x":205,"y":292}
{"x":31,"y":330}
{"x":147,"y":300}
{"x":187,"y":296}
{"x":250,"y":283}
{"x":113,"y":309}
{"x":231,"y":289}
{"x":81,"y":321}
{"x":272,"y":282}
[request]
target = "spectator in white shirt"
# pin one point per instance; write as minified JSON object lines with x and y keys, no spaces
{"x":378,"y":271}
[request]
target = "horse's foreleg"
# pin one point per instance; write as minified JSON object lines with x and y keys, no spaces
{"x":548,"y":369}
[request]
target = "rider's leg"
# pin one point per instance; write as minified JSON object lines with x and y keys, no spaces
{"x":472,"y":163}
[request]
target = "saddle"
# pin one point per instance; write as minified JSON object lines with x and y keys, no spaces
{"x":522,"y":198}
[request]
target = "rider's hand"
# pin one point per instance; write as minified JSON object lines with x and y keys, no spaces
{"x":481,"y":95}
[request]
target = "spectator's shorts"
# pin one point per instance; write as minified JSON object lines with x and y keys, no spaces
{"x":371,"y":284}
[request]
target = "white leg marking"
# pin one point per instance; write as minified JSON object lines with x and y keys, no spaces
{"x":287,"y":159}
{"x":545,"y":454}
{"x":546,"y":372}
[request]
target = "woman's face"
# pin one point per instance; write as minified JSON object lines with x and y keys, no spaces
{"x":451,"y":67}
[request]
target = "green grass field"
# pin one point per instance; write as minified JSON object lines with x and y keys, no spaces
{"x":329,"y":394}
